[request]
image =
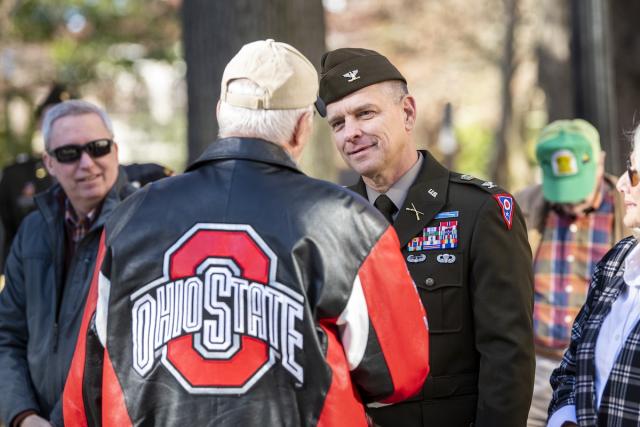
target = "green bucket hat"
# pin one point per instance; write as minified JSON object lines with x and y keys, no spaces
{"x":568,"y":152}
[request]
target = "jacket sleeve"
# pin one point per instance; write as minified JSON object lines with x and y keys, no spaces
{"x":501,"y":286}
{"x":563,"y":378}
{"x":383,"y":327}
{"x":82,"y":391}
{"x":18,"y":394}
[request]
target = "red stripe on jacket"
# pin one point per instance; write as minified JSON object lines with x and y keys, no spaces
{"x":114,"y":409}
{"x":342,"y":405}
{"x":73,"y":403}
{"x":397,"y":316}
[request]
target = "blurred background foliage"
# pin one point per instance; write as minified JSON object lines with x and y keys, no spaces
{"x":475,"y":142}
{"x":103,"y":50}
{"x":487,"y":74}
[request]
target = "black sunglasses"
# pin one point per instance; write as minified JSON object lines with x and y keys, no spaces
{"x":634,"y":179}
{"x":72,"y":153}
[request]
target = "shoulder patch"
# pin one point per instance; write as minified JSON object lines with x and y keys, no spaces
{"x":505,"y":201}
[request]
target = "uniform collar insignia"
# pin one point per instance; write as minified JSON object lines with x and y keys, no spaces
{"x":416,"y":211}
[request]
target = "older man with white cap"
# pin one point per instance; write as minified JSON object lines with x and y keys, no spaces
{"x":244,"y":292}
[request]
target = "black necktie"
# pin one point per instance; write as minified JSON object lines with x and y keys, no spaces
{"x":386,"y":206}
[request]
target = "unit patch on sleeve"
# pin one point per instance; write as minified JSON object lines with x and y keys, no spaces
{"x":505,"y":201}
{"x":442,"y":236}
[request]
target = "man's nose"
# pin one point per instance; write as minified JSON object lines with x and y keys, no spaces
{"x":85,"y":160}
{"x":352,"y":130}
{"x":623,"y":182}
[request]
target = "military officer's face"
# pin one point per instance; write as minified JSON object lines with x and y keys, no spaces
{"x":371,"y":128}
{"x":87,"y":180}
{"x":629,"y":186}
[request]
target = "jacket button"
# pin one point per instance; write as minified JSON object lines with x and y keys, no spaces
{"x":429,"y":281}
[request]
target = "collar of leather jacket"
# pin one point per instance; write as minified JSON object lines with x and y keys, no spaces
{"x":254,"y":149}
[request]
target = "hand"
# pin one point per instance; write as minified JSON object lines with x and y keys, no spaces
{"x":35,"y":421}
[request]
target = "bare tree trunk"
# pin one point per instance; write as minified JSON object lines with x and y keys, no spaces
{"x":594,"y":74}
{"x":213,"y":31}
{"x":500,"y":170}
{"x":554,"y":60}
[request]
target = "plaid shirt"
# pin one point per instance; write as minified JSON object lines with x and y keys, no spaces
{"x":573,"y":380}
{"x":567,"y":255}
{"x":77,"y":228}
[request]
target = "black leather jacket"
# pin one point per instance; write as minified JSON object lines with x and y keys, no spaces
{"x":246,"y":293}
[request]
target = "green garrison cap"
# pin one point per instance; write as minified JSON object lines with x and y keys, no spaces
{"x":347,"y":70}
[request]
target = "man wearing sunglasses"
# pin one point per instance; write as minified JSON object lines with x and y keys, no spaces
{"x":573,"y":219}
{"x":49,"y":268}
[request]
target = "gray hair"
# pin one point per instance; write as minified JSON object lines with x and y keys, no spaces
{"x":396,"y":90}
{"x":635,"y":145}
{"x":272,"y":125}
{"x":74,"y":107}
{"x":635,"y":152}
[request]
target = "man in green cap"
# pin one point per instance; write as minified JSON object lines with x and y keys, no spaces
{"x":573,"y":219}
{"x":464,"y":241}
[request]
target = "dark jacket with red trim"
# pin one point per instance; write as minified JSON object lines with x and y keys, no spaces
{"x":40,"y":312}
{"x":479,"y":298}
{"x":246,"y":293}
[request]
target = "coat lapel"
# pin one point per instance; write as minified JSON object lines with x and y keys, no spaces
{"x":359,"y":188}
{"x":427,"y":196}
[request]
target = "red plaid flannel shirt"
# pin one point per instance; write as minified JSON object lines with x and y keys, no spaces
{"x":566,"y":258}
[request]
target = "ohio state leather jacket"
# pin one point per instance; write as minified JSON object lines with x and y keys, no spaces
{"x":246,"y":293}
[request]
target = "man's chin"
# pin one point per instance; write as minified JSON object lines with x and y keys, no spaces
{"x":363,"y":168}
{"x":631,"y":222}
{"x":94,"y":195}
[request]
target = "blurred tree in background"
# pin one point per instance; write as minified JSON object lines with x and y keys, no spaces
{"x":96,"y":47}
{"x":507,"y":67}
{"x":500,"y":69}
{"x":215,"y":31}
{"x":476,"y":56}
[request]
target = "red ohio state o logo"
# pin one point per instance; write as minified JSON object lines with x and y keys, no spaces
{"x":218,"y":317}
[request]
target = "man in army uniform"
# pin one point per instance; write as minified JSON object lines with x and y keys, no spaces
{"x":465,"y":244}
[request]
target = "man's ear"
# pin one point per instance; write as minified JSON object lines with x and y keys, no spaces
{"x":47,"y":160}
{"x":115,"y":148}
{"x":301,"y":135}
{"x":603,"y":156}
{"x":410,"y":113}
{"x":217,"y":108}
